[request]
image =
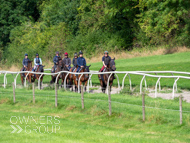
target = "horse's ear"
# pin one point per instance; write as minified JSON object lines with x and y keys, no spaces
{"x":89,"y":65}
{"x":114,"y":58}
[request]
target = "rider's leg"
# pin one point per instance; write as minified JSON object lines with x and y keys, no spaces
{"x":77,"y":74}
{"x":23,"y":69}
{"x":102,"y":68}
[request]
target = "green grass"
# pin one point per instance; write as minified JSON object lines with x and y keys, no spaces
{"x":93,"y":123}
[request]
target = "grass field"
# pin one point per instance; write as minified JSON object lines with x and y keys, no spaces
{"x":93,"y":123}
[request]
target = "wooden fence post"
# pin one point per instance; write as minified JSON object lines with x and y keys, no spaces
{"x":14,"y":99}
{"x":180,"y":109}
{"x":82,"y":96}
{"x":55,"y":94}
{"x":109,"y":100}
{"x":33,"y":89}
{"x":143,"y":106}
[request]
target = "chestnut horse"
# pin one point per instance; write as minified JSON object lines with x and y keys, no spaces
{"x":83,"y":78}
{"x":104,"y":77}
{"x":37,"y":76}
{"x":23,"y":75}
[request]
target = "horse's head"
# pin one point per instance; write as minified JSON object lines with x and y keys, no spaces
{"x":86,"y":69}
{"x":29,"y":65}
{"x":112,"y":65}
{"x":60,"y":63}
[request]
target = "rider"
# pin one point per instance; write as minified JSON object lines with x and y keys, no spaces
{"x":75,"y":61}
{"x":81,"y":62}
{"x":67,"y":61}
{"x":25,"y":63}
{"x":105,"y":60}
{"x":37,"y":62}
{"x":55,"y":61}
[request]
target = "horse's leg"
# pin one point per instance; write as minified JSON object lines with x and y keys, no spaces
{"x":22,"y":80}
{"x":62,"y":83}
{"x":76,"y":85}
{"x":85,"y":85}
{"x":80,"y":86}
{"x":71,"y":84}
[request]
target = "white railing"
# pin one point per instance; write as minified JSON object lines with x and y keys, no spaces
{"x":144,"y":74}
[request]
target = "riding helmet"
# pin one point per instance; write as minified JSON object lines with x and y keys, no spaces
{"x":57,"y":52}
{"x":76,"y":55}
{"x":26,"y":54}
{"x":37,"y":54}
{"x":66,"y":54}
{"x":106,"y":52}
{"x":80,"y":52}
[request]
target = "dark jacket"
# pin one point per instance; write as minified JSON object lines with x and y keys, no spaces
{"x":67,"y":61}
{"x":81,"y":61}
{"x":106,"y":60}
{"x":25,"y":62}
{"x":56,"y":59}
{"x":74,"y":62}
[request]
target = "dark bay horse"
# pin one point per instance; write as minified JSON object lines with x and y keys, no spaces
{"x":39,"y":68}
{"x":58,"y":68}
{"x":83,"y":78}
{"x":104,"y":77}
{"x":23,"y":75}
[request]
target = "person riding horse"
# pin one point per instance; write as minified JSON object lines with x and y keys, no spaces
{"x":75,"y":61}
{"x":67,"y":61}
{"x":25,"y":63}
{"x":55,"y":61}
{"x":81,"y":63}
{"x":37,"y":62}
{"x":105,"y":60}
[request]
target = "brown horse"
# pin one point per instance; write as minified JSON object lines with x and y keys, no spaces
{"x":83,"y":78}
{"x":37,"y":76}
{"x":71,"y":77}
{"x":58,"y":68}
{"x":23,"y":75}
{"x":104,"y":77}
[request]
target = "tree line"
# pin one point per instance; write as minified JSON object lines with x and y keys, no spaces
{"x":46,"y":26}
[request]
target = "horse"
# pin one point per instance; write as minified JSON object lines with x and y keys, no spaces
{"x":39,"y":68}
{"x":71,"y":77}
{"x":104,"y":77}
{"x":23,"y":75}
{"x":68,"y":80}
{"x":57,"y":69}
{"x":83,"y":78}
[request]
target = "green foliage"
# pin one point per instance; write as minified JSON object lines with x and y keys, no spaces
{"x":45,"y":26}
{"x":165,"y":21}
{"x":35,"y":38}
{"x":13,"y":13}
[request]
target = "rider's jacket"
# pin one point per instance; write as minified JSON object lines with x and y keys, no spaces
{"x":81,"y":61}
{"x":75,"y":61}
{"x":56,"y":59}
{"x":106,"y":60}
{"x":37,"y":61}
{"x":25,"y":62}
{"x":67,"y":61}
